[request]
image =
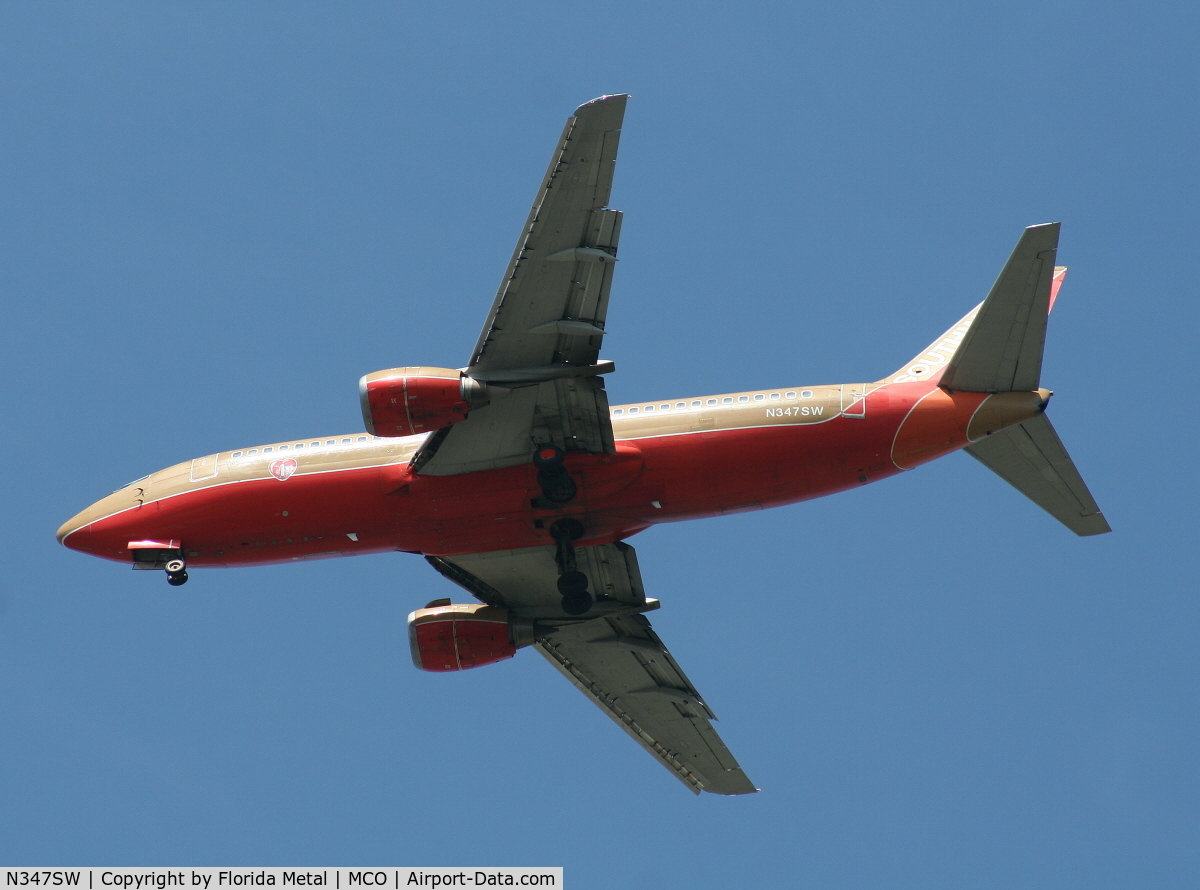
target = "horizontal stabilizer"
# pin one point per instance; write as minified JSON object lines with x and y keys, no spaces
{"x":1002,"y":350}
{"x":1031,"y":458}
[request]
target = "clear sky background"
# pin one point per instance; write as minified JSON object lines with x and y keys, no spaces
{"x":217,"y":216}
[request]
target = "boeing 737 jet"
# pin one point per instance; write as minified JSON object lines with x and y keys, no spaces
{"x":517,"y":481}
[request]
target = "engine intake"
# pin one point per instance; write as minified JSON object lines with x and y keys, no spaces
{"x":408,"y":401}
{"x":457,"y":637}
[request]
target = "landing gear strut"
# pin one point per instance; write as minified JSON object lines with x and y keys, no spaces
{"x":176,"y":572}
{"x":572,"y":583}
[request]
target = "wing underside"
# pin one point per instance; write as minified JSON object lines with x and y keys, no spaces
{"x":622,"y":666}
{"x":616,"y":659}
{"x":543,"y":334}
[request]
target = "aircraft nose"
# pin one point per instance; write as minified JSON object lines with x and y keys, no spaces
{"x":106,"y":527}
{"x":74,"y":533}
{"x":78,"y":532}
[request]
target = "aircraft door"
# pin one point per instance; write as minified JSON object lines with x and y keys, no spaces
{"x":854,"y":399}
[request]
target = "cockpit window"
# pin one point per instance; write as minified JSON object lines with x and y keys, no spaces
{"x":133,"y":483}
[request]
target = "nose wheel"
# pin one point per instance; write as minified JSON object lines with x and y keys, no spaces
{"x":176,"y":572}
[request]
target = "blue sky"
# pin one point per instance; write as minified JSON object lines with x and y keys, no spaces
{"x":216,"y":217}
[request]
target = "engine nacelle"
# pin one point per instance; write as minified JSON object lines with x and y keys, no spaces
{"x":407,"y":401}
{"x":456,"y":637}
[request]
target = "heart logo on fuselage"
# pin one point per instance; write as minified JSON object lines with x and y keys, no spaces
{"x":283,"y":468}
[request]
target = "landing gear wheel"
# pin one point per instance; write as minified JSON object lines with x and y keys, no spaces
{"x":572,"y":583}
{"x":548,"y":457}
{"x":576,"y":603}
{"x":558,"y":489}
{"x":175,"y":566}
{"x":177,"y":579}
{"x":556,"y":483}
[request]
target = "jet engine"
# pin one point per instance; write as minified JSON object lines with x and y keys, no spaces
{"x":407,"y":401}
{"x":454,"y":637}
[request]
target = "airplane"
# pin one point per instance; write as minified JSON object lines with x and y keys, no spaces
{"x":517,"y":481}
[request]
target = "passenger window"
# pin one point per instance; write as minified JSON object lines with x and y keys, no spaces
{"x":712,"y":402}
{"x":743,"y":398}
{"x":664,"y":407}
{"x":345,"y":441}
{"x":362,"y":438}
{"x":314,"y":444}
{"x":618,"y":412}
{"x":774,"y":395}
{"x":649,"y":408}
{"x":806,"y":394}
{"x":633,"y":410}
{"x":299,"y":445}
{"x":791,"y":395}
{"x":727,"y":401}
{"x":236,"y":454}
{"x":283,"y":448}
{"x":759,"y":397}
{"x":695,"y":403}
{"x":268,"y":449}
{"x":681,"y":405}
{"x":331,"y":441}
{"x":252,"y":451}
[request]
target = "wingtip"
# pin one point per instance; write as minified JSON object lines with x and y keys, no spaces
{"x":610,"y":99}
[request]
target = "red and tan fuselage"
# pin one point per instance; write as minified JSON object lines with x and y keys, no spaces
{"x":675,"y":460}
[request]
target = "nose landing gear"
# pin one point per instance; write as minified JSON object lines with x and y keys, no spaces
{"x":572,"y":583}
{"x":176,"y":572}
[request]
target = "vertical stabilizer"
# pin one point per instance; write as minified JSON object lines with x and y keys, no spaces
{"x":1002,"y":350}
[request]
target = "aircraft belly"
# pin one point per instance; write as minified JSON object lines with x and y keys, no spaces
{"x":369,"y":509}
{"x":727,"y":471}
{"x":260,"y":521}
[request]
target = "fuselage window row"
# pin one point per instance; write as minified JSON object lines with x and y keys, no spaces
{"x":696,"y":403}
{"x":297,"y":446}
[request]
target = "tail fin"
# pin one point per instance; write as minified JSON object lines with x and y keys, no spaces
{"x":1031,"y":458}
{"x":997,"y":348}
{"x":1002,"y":350}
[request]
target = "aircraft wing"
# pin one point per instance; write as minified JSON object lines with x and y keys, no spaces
{"x":542,"y":337}
{"x":616,"y":659}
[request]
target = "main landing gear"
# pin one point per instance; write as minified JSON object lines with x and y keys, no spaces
{"x":572,"y":583}
{"x":559,"y":488}
{"x":557,"y":485}
{"x":176,"y":572}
